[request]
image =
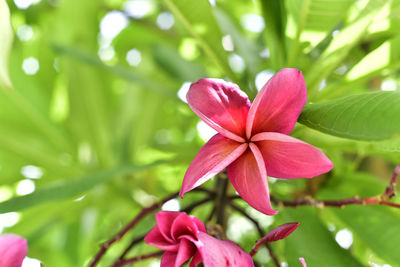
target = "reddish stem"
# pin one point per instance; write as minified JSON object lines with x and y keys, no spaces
{"x":138,"y":258}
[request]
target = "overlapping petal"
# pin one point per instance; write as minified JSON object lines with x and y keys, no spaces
{"x":13,"y":250}
{"x":186,"y":225}
{"x":249,"y":177}
{"x":217,"y":253}
{"x":277,"y":106}
{"x":212,"y":158}
{"x":287,"y":157}
{"x":190,"y":240}
{"x":222,"y":105}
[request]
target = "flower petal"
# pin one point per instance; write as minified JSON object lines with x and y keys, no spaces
{"x":197,"y":258}
{"x":277,"y":106}
{"x":222,"y":105}
{"x":287,"y":157}
{"x":186,"y":225}
{"x":212,"y":158}
{"x":217,"y":253}
{"x":303,"y":262}
{"x":168,"y":259}
{"x":155,"y":238}
{"x":13,"y":250}
{"x":185,"y":252}
{"x":165,"y":220}
{"x":249,"y":177}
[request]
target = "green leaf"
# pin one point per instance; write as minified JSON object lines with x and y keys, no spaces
{"x":369,"y":116}
{"x":68,"y":188}
{"x":192,"y":15}
{"x":170,"y":61}
{"x":315,"y":16}
{"x":340,"y":46}
{"x":274,"y":33}
{"x":313,"y":241}
{"x":376,"y":227}
{"x":6,"y":39}
{"x":118,"y":70}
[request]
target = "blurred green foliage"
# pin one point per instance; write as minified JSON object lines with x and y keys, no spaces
{"x":96,"y":107}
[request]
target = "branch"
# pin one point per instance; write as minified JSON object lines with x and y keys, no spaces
{"x":390,"y":190}
{"x":333,"y":203}
{"x":138,"y":258}
{"x":259,"y":230}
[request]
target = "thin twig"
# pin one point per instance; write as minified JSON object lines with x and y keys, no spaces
{"x":390,"y":190}
{"x":333,"y":203}
{"x":138,"y":258}
{"x":259,"y":230}
{"x":128,"y":248}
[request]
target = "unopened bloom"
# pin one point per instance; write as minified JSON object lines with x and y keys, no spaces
{"x":13,"y":250}
{"x":253,"y":139}
{"x":184,"y":237}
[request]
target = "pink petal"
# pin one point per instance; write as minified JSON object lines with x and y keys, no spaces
{"x":222,"y":105}
{"x":155,"y":238}
{"x":278,"y":105}
{"x":13,"y":250}
{"x":249,"y":177}
{"x":212,"y":158}
{"x":165,"y":220}
{"x":186,"y":225}
{"x":197,"y":258}
{"x":281,"y":232}
{"x":168,"y":259}
{"x":287,"y":157}
{"x":185,"y":252}
{"x":303,"y":262}
{"x":217,"y":253}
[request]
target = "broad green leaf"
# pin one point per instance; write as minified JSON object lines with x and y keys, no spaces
{"x":68,"y":188}
{"x":313,"y":241}
{"x":274,"y":33}
{"x":198,"y":19}
{"x":377,"y":227}
{"x":6,"y":39}
{"x":369,"y":116}
{"x":339,"y":48}
{"x":171,"y":62}
{"x":118,"y":70}
{"x":244,"y":47}
{"x":314,"y":16}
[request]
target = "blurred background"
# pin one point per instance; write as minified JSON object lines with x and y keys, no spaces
{"x":97,"y":126}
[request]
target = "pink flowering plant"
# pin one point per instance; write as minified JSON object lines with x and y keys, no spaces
{"x":204,"y":133}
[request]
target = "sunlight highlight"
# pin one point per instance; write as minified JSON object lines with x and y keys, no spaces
{"x":30,"y":171}
{"x":25,"y":187}
{"x":165,"y":20}
{"x":171,"y":205}
{"x":344,"y":238}
{"x":30,"y":66}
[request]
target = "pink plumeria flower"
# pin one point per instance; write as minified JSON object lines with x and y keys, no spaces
{"x":303,"y":262}
{"x":184,"y":237}
{"x":13,"y":250}
{"x":252,"y":139}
